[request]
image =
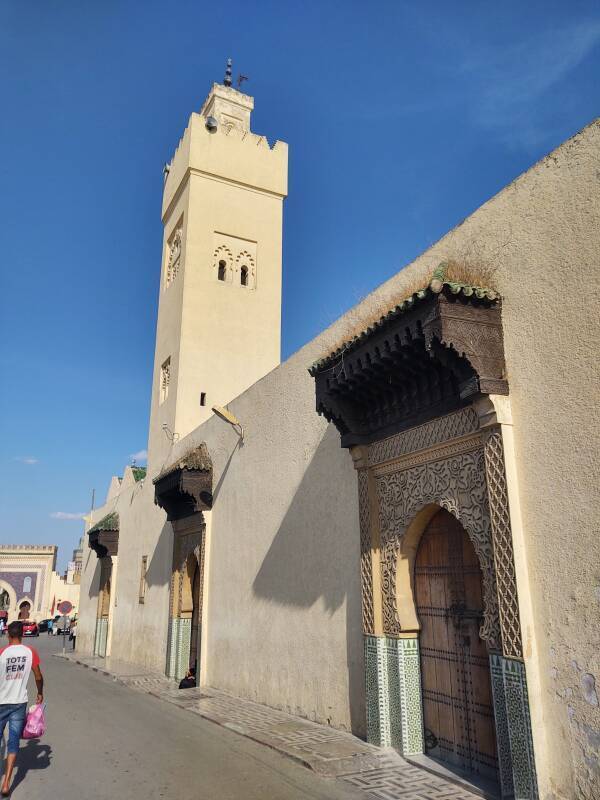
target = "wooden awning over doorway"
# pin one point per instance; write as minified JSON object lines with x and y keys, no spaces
{"x":104,"y":536}
{"x":430,"y":355}
{"x":184,"y":487}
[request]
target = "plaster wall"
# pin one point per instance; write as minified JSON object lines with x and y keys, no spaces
{"x":90,"y":578}
{"x":283,"y":594}
{"x":61,"y":590}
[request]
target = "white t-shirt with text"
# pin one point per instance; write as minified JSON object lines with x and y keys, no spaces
{"x":16,"y":662}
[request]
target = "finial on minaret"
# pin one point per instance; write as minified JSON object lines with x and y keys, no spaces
{"x":227,"y":79}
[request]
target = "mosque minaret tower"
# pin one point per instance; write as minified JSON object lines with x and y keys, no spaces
{"x":219,"y":313}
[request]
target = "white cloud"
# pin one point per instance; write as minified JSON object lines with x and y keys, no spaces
{"x":141,"y":455}
{"x":66,"y":515}
{"x":27,"y":459}
{"x":513,"y":84}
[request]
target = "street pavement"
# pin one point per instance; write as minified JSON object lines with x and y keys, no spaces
{"x":106,"y":741}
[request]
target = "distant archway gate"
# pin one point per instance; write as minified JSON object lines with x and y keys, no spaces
{"x":414,"y":400}
{"x":184,"y":490}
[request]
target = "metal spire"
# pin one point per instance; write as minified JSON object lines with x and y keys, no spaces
{"x":227,"y":79}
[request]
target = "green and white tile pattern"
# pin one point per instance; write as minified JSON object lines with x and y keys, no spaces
{"x":101,"y":637}
{"x":513,"y":728}
{"x":393,"y":694}
{"x":178,"y":652}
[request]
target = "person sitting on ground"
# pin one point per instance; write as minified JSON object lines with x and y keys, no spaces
{"x":190,"y":679}
{"x":17,"y":661}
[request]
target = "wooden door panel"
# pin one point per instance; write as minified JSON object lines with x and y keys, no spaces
{"x":457,"y":699}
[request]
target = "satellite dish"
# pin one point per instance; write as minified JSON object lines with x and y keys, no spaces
{"x":211,"y":124}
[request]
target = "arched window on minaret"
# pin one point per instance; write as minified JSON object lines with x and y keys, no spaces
{"x":246,"y":265}
{"x":223,"y":263}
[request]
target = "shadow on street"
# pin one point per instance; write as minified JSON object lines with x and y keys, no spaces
{"x":32,"y":755}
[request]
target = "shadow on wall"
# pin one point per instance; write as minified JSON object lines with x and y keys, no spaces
{"x":314,"y":554}
{"x":94,"y":586}
{"x":160,"y":566}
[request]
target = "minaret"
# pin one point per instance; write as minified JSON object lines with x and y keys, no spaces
{"x":219,"y":314}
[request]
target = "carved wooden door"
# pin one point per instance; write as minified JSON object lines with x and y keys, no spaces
{"x":457,"y":694}
{"x":195,"y":633}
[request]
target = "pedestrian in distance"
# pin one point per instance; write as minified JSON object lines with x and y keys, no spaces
{"x":1,"y":626}
{"x":50,"y":626}
{"x":73,"y":633}
{"x":17,"y":661}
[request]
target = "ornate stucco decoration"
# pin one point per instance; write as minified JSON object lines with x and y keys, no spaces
{"x":430,"y":355}
{"x":184,"y":487}
{"x":452,"y":477}
{"x":504,"y":558}
{"x":104,"y":536}
{"x":174,"y":259}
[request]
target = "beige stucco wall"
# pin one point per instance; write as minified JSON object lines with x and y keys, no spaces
{"x":283,"y":603}
{"x":61,"y":590}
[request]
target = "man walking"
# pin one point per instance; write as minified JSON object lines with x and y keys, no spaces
{"x":17,"y":661}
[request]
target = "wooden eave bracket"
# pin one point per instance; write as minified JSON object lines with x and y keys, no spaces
{"x":184,"y":492}
{"x":435,"y":358}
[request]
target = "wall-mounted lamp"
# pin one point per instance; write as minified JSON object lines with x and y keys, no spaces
{"x":171,"y":435}
{"x":227,"y":416}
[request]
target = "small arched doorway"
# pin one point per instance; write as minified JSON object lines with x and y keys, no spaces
{"x":190,"y":610}
{"x":458,"y":713}
{"x":4,"y":600}
{"x":24,"y":610}
{"x":104,"y":603}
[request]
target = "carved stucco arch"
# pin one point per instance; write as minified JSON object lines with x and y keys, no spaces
{"x":223,"y":253}
{"x":406,"y":499}
{"x":188,"y":550}
{"x":187,"y":571}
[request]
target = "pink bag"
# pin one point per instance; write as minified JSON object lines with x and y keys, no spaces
{"x":35,"y":724}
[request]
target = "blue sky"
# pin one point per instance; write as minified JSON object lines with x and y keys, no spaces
{"x":402,"y":118}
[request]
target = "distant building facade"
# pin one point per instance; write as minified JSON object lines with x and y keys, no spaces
{"x":30,"y":587}
{"x":75,"y":565}
{"x":416,"y":562}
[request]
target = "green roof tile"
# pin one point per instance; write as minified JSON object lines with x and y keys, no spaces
{"x":108,"y":523}
{"x":435,"y":286}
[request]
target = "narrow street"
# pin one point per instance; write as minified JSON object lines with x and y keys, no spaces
{"x":106,"y":741}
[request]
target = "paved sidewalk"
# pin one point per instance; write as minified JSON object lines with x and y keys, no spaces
{"x":379,"y":773}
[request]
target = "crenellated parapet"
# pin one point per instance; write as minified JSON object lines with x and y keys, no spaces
{"x":226,"y":149}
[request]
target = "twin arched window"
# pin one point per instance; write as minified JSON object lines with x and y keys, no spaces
{"x":222,"y":273}
{"x":227,"y":268}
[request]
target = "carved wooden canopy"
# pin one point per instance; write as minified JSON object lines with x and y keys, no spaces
{"x":185,"y":486}
{"x":104,"y":536}
{"x":429,"y":356}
